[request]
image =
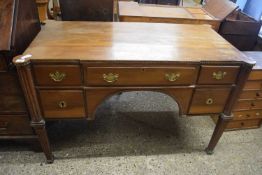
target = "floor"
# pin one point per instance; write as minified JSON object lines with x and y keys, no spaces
{"x":138,"y":133}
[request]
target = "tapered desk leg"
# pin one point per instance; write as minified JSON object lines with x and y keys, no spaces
{"x":220,"y":127}
{"x":37,"y":121}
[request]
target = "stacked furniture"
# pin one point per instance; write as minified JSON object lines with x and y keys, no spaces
{"x":133,"y":12}
{"x":19,"y":24}
{"x":248,"y":109}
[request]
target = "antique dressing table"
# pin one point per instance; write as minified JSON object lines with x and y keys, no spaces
{"x":71,"y":67}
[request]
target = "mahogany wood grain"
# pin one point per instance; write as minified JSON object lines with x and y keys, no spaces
{"x":73,"y":76}
{"x":248,"y":104}
{"x":207,"y":77}
{"x":253,"y":85}
{"x":244,"y":124}
{"x":72,"y":107}
{"x":250,"y":95}
{"x":199,"y":104}
{"x":15,"y":125}
{"x":133,"y":76}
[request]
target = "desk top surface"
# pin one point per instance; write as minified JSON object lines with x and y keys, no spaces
{"x":134,"y":9}
{"x":106,"y":41}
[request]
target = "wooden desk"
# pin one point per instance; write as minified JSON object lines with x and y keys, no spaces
{"x":134,"y":12}
{"x":212,"y":13}
{"x":71,"y":67}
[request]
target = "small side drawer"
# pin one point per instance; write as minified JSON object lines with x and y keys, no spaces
{"x":218,"y":74}
{"x":253,"y":85}
{"x":248,"y":104}
{"x":255,"y":75}
{"x":245,"y":115}
{"x":123,"y":76}
{"x":209,"y":100}
{"x":58,"y":75}
{"x":15,"y":125}
{"x":250,"y":94}
{"x":62,"y":103}
{"x":244,"y":124}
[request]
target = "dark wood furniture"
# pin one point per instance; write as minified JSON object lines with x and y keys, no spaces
{"x":19,"y":24}
{"x":133,"y":12}
{"x":71,"y":67}
{"x":240,"y":30}
{"x":87,"y":10}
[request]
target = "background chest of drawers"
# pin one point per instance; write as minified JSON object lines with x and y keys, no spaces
{"x":248,"y":109}
{"x":19,"y":24}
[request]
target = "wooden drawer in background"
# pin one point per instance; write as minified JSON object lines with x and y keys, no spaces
{"x":253,"y":85}
{"x":211,"y":100}
{"x":131,"y":76}
{"x":255,"y":75}
{"x":251,"y":94}
{"x":62,"y":103}
{"x":218,"y":74}
{"x":248,"y":105}
{"x":15,"y":125}
{"x":243,"y":124}
{"x":246,"y":115}
{"x":58,"y":75}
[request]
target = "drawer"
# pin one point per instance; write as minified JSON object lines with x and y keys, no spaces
{"x":244,"y":124}
{"x":15,"y":125}
{"x":248,"y":104}
{"x":209,"y":100}
{"x":62,"y":103}
{"x":140,"y":76}
{"x":218,"y":74}
{"x":255,"y":75}
{"x":251,"y":94}
{"x":245,"y":115}
{"x":58,"y":75}
{"x":253,"y":85}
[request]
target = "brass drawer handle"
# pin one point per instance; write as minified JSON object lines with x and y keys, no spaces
{"x":219,"y":75}
{"x":172,"y":77}
{"x":111,"y":77}
{"x":209,"y":101}
{"x":57,"y":76}
{"x":62,"y":104}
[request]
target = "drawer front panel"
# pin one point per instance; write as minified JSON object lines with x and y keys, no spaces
{"x":62,"y":103}
{"x":245,"y":115}
{"x":251,"y":95}
{"x":255,"y":75}
{"x":140,"y":76}
{"x":253,"y":85}
{"x":209,"y":100}
{"x":61,"y":75}
{"x":15,"y":125}
{"x":245,"y":124}
{"x":218,"y":75}
{"x":248,"y":104}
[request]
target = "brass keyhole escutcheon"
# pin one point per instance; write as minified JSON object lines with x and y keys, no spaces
{"x":209,"y":101}
{"x":62,"y":104}
{"x":57,"y":76}
{"x":111,"y":77}
{"x":172,"y":76}
{"x":219,"y":75}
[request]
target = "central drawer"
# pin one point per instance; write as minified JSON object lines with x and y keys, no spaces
{"x":131,"y":76}
{"x":62,"y":103}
